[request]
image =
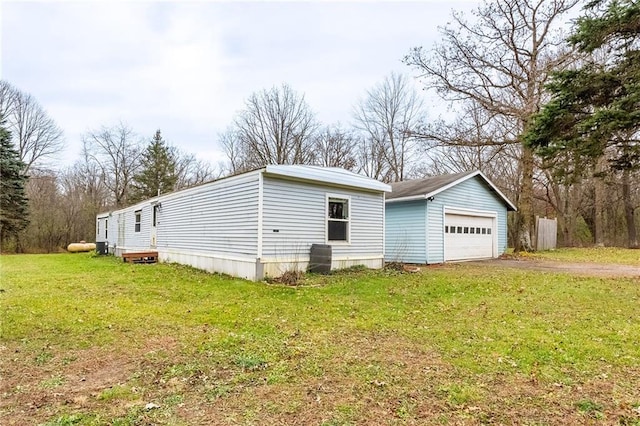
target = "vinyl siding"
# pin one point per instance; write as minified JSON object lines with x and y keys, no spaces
{"x":405,"y":232}
{"x":470,"y":194}
{"x":131,"y":240}
{"x":294,"y":217}
{"x":219,"y":218}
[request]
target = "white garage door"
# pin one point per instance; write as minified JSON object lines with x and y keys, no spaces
{"x":468,"y":237}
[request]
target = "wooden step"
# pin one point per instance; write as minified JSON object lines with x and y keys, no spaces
{"x":140,"y":257}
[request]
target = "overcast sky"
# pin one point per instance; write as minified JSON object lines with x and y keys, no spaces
{"x":188,"y":67}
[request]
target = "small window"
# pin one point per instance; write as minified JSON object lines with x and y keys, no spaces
{"x":466,"y":229}
{"x":484,"y":231}
{"x":473,"y":230}
{"x":459,"y":229}
{"x":488,"y":231}
{"x":106,"y":229}
{"x":452,"y":229}
{"x":138,"y":220}
{"x":338,"y":219}
{"x":477,"y":230}
{"x":446,"y":229}
{"x":155,"y":215}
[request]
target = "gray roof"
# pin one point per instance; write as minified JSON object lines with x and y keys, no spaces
{"x":428,"y":187}
{"x":409,"y":188}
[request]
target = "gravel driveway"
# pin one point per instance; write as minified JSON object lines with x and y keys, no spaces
{"x":583,"y":269}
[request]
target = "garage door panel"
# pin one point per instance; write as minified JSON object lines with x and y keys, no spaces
{"x":468,"y":237}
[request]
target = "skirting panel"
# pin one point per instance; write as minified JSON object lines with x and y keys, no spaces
{"x":234,"y":267}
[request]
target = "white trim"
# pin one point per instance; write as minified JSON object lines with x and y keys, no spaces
{"x":260,"y":213}
{"x":329,"y":195}
{"x":409,"y":198}
{"x":469,"y":212}
{"x":384,"y":225}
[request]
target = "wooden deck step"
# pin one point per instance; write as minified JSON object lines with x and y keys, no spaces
{"x":140,"y":257}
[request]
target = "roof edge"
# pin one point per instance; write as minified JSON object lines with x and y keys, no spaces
{"x":510,"y":205}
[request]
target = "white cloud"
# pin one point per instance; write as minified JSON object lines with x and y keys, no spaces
{"x":188,"y":67}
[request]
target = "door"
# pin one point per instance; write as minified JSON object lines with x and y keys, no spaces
{"x":154,"y":226}
{"x":468,"y":237}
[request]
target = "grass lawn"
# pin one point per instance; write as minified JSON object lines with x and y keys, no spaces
{"x":613,"y":255}
{"x":92,"y":341}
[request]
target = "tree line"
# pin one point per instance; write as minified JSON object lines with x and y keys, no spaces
{"x":551,"y":117}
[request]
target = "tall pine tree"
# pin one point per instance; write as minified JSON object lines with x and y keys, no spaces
{"x":157,"y":170}
{"x":594,"y":113}
{"x":13,"y":201}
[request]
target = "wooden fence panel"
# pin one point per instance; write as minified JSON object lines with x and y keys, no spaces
{"x":547,"y":233}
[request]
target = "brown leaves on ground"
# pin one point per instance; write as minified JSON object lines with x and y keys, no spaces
{"x":379,"y":378}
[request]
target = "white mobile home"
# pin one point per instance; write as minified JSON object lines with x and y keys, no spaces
{"x":257,"y":224}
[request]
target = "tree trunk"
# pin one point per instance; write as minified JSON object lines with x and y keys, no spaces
{"x":598,"y":204}
{"x":525,"y":209}
{"x":629,"y":211}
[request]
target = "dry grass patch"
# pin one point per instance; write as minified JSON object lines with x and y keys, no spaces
{"x":461,"y":344}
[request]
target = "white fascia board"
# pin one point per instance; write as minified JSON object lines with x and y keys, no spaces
{"x":410,"y":198}
{"x":329,"y":175}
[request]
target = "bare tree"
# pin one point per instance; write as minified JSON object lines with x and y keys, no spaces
{"x":116,"y":152}
{"x":389,"y":116}
{"x":371,"y":158}
{"x":192,"y":171}
{"x":277,"y":127}
{"x":35,"y":135}
{"x":335,"y":147}
{"x":501,"y":62}
{"x":45,"y":232}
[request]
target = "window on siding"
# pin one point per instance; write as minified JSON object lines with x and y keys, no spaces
{"x":138,"y":220}
{"x":338,"y":219}
{"x":488,"y":230}
{"x":459,"y":229}
{"x":446,"y":229}
{"x":155,"y":216}
{"x":106,"y":228}
{"x":466,"y":229}
{"x":473,"y":230}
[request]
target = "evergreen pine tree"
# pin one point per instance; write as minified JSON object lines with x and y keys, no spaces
{"x":594,"y":112}
{"x":13,"y":201}
{"x":157,"y":170}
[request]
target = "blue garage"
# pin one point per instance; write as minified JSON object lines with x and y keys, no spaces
{"x":453,"y":217}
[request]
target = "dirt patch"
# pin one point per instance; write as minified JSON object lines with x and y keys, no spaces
{"x":33,"y":389}
{"x":581,"y":269}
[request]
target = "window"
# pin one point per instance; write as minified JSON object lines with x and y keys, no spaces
{"x":477,"y":230}
{"x":459,"y":229}
{"x":488,"y":231}
{"x":138,"y":217}
{"x":484,"y":231}
{"x":446,"y":229}
{"x":338,"y":219}
{"x":106,"y":228}
{"x":155,"y":215}
{"x":473,"y":230}
{"x":466,"y":229}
